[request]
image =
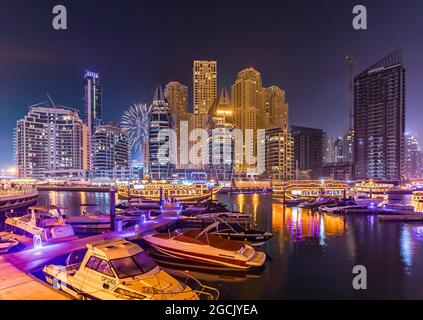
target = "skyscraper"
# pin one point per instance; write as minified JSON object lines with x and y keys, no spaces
{"x":248,"y":102}
{"x":50,"y":140}
{"x":276,"y":108}
{"x":308,"y":150}
{"x":280,"y":164}
{"x":379,"y":120}
{"x":93,"y":109}
{"x":205,"y":89}
{"x":412,"y":158}
{"x":110,"y":148}
{"x":176,"y":95}
{"x":220,"y":125}
{"x":92,"y":100}
{"x":161,"y":160}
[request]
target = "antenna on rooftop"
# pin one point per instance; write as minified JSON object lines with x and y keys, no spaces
{"x":51,"y":100}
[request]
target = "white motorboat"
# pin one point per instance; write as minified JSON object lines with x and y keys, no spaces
{"x":115,"y":269}
{"x":47,"y":222}
{"x":207,"y":248}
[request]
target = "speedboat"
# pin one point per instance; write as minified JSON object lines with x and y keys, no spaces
{"x":200,"y":246}
{"x":227,"y":215}
{"x":116,"y":269}
{"x":7,"y":243}
{"x":237,"y":232}
{"x":46,"y":222}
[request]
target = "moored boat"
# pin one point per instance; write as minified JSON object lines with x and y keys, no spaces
{"x":207,"y":248}
{"x":235,"y":231}
{"x":116,"y":269}
{"x":47,"y":222}
{"x":157,"y":191}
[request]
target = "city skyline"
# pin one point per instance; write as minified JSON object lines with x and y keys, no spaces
{"x":313,"y":86}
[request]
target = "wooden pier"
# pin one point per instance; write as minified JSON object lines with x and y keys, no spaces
{"x":18,"y":285}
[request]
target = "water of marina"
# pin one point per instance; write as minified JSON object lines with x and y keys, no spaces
{"x":311,"y":255}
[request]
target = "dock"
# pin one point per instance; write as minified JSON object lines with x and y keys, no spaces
{"x":18,"y":285}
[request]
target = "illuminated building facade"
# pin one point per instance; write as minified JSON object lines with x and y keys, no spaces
{"x":412,"y":158}
{"x":248,"y":102}
{"x":160,"y":119}
{"x":110,"y":148}
{"x":308,"y":150}
{"x":220,"y":127}
{"x":93,"y":108}
{"x":379,"y":120}
{"x":279,"y":154}
{"x":205,"y":89}
{"x":50,"y":139}
{"x":176,"y":95}
{"x":92,"y":100}
{"x":276,"y":108}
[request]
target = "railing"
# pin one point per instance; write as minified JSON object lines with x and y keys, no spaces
{"x":16,"y":191}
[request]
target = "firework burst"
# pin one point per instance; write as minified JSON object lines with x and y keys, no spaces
{"x":135,"y":121}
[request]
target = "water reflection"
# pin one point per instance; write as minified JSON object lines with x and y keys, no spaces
{"x":406,"y":249}
{"x":311,"y":254}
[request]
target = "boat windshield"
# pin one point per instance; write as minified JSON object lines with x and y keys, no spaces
{"x":133,"y":266}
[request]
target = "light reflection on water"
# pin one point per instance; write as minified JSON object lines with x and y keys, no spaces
{"x":311,"y":254}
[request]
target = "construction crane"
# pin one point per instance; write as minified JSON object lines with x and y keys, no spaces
{"x":350,"y":65}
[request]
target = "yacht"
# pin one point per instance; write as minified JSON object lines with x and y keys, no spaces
{"x":158,"y":190}
{"x":235,"y":231}
{"x":47,"y":222}
{"x":116,"y":269}
{"x":200,"y":246}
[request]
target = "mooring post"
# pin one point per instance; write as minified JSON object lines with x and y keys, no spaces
{"x":112,"y":208}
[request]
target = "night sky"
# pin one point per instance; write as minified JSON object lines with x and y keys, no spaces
{"x":135,"y":45}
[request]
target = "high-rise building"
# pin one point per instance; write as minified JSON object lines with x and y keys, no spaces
{"x":110,"y":148}
{"x":162,"y":160}
{"x":412,"y":158}
{"x":328,"y":149}
{"x":349,"y":146}
{"x":248,"y":102}
{"x":280,"y":163}
{"x":379,"y":120}
{"x":92,"y":100}
{"x":220,"y":127}
{"x":50,"y":139}
{"x":176,"y":95}
{"x":276,"y":108}
{"x":93,"y":108}
{"x":308,"y":150}
{"x":339,"y":149}
{"x":205,"y":89}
